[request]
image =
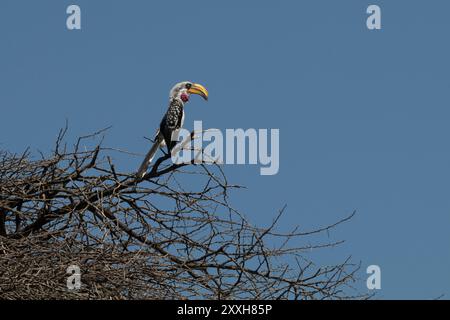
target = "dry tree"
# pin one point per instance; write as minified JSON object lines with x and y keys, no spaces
{"x":171,"y":234}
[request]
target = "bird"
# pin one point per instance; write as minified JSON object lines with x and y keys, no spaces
{"x":172,"y":121}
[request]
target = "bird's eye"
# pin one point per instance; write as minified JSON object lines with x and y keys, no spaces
{"x":188,"y":86}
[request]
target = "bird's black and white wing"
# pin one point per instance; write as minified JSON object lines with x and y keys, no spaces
{"x":172,"y":122}
{"x":167,"y":133}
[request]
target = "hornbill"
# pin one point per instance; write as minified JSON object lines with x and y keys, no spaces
{"x":173,"y":120}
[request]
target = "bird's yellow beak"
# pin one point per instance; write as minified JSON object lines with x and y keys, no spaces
{"x":200,"y":90}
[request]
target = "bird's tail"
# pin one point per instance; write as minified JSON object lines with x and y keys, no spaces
{"x":150,"y":155}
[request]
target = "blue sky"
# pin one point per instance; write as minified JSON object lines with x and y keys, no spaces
{"x":363,"y":115}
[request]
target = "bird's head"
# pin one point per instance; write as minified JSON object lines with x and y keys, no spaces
{"x":184,"y":89}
